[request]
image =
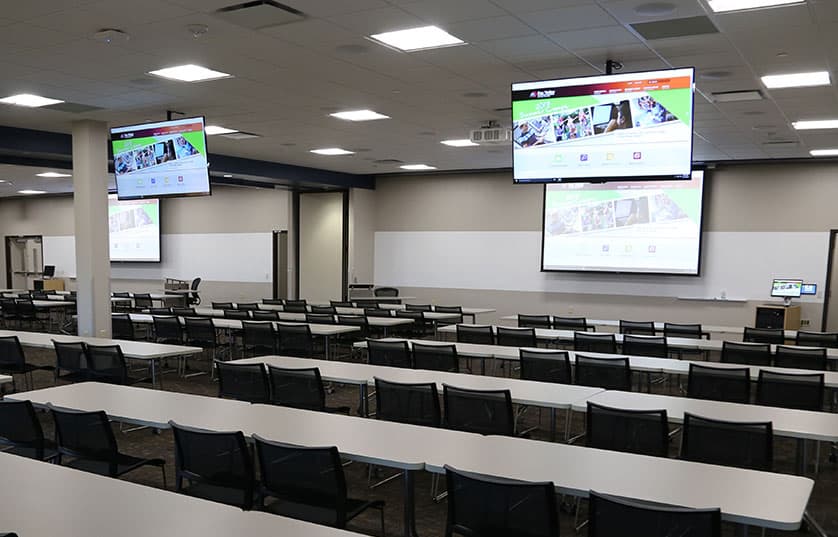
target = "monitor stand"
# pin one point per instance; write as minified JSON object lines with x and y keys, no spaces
{"x":787,"y":301}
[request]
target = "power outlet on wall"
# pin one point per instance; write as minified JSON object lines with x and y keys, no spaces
{"x":804,"y":322}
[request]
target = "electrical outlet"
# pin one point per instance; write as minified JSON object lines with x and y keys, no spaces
{"x":804,"y":322}
{"x":570,"y":310}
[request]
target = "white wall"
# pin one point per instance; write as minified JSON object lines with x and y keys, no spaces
{"x":321,"y":246}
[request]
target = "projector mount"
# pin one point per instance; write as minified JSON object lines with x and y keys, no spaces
{"x":611,"y":66}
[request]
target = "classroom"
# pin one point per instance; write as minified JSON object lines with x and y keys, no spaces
{"x":418,"y":267}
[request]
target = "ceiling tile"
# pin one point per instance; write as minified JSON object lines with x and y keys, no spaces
{"x":570,"y":18}
{"x":445,"y":12}
{"x":596,"y":37}
{"x":490,"y":29}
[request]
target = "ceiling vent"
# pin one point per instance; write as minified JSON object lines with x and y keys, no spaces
{"x":260,"y":14}
{"x":737,"y":96}
{"x":73,"y":108}
{"x":684,"y":27}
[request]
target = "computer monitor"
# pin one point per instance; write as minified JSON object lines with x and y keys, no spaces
{"x":49,"y":271}
{"x":809,"y":289}
{"x":786,"y":288}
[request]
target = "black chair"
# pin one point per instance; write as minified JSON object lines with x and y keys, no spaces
{"x":450,"y":309}
{"x":184,"y":312}
{"x":389,"y":353}
{"x":534,"y":321}
{"x":307,"y":483}
{"x":142,"y":301}
{"x":294,"y":340}
{"x":200,"y":332}
{"x":258,"y":338}
{"x":355,"y":320}
{"x":479,"y":411}
{"x":8,"y":309}
{"x":607,"y":373}
{"x":638,"y":328}
{"x":300,"y":388}
{"x":106,"y":363}
{"x":85,"y":441}
{"x":239,"y":315}
{"x":167,"y":329}
{"x":216,"y":466}
{"x":122,"y":327}
{"x":243,"y":382}
{"x":320,"y":318}
{"x":21,"y":432}
{"x":160,"y":311}
{"x":323,"y":310}
{"x":732,"y":385}
{"x":28,"y":313}
{"x":789,"y":390}
{"x":436,"y":357}
{"x":746,"y":353}
{"x":341,"y":304}
{"x":728,"y":443}
{"x":13,"y":361}
{"x":817,"y":339}
{"x":546,"y":366}
{"x":585,"y":342}
{"x":263,"y":315}
{"x":801,"y":357}
{"x":475,"y":333}
{"x":485,"y":506}
{"x":295,"y":306}
{"x":645,"y":432}
{"x":273,"y":301}
{"x":617,"y":517}
{"x":691,"y":331}
{"x":577,"y":324}
{"x":516,"y":337}
{"x":419,"y":328}
{"x":418,"y":307}
{"x":247,"y":306}
{"x":773,"y":336}
{"x":71,"y":361}
{"x":222,"y":306}
{"x":654,"y":346}
{"x":386,"y":291}
{"x":415,"y":404}
{"x":377,"y":312}
{"x":193,"y":298}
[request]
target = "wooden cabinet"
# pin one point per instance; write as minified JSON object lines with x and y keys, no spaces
{"x":777,"y":316}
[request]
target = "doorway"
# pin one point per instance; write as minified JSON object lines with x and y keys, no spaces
{"x":829,"y":322}
{"x":24,"y":261}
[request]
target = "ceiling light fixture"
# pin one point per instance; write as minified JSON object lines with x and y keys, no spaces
{"x":797,"y":80}
{"x":212,"y":130}
{"x":29,"y":100}
{"x":53,"y":175}
{"x":29,"y":192}
{"x":465,"y":142}
{"x":416,"y":167}
{"x":824,"y":152}
{"x":422,"y":38}
{"x":722,"y":6}
{"x":332,"y":151}
{"x":359,"y":115}
{"x":815,"y":124}
{"x":189,"y":73}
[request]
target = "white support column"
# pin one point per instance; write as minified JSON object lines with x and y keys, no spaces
{"x":90,"y":205}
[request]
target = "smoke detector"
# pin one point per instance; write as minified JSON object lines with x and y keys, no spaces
{"x":197,"y":30}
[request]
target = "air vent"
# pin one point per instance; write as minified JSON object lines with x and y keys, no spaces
{"x":675,"y":28}
{"x":737,"y":96}
{"x":73,"y":108}
{"x":260,"y":14}
{"x":781,"y":143}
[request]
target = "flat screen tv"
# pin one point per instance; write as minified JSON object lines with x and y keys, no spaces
{"x":786,"y":288}
{"x":161,"y":160}
{"x":134,"y":230}
{"x":619,"y":127}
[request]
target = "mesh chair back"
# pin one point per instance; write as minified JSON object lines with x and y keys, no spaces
{"x":786,"y":390}
{"x":534,"y":321}
{"x":70,"y":356}
{"x":243,"y":382}
{"x":122,"y":327}
{"x":632,"y":431}
{"x":800,"y":357}
{"x":85,"y":435}
{"x":294,"y":340}
{"x":107,"y":364}
{"x":341,"y":304}
{"x":516,"y":337}
{"x":194,"y":298}
{"x":200,"y":332}
{"x":616,"y":517}
{"x":479,"y":411}
{"x":323,"y":310}
{"x":121,"y":294}
{"x":435,"y":357}
{"x":728,"y":443}
{"x":273,"y":301}
{"x":450,"y":309}
{"x":26,"y":309}
{"x":8,"y":306}
{"x":774,"y":336}
{"x":473,"y":333}
{"x":420,"y":325}
{"x":416,"y":404}
{"x":654,"y":346}
{"x":570,"y":323}
{"x":546,"y":366}
{"x":160,"y":311}
{"x":222,"y":306}
{"x":389,"y":353}
{"x":304,"y":475}
{"x":691,"y":331}
{"x":294,"y":308}
{"x":301,"y":302}
{"x":719,"y":383}
{"x":217,"y":459}
{"x":489,"y":506}
{"x":639,"y":328}
{"x":39,"y":295}
{"x":167,"y":329}
{"x":320,"y":318}
{"x":377,"y":312}
{"x":20,"y":428}
{"x":262,"y":315}
{"x":258,"y":337}
{"x":240,"y":315}
{"x":143,"y":300}
{"x":607,"y":373}
{"x":817,"y":339}
{"x":386,"y":291}
{"x":418,"y":307}
{"x":587,"y":342}
{"x":746,"y":353}
{"x":12,"y":359}
{"x":297,"y":388}
{"x":248,"y":306}
{"x":356,"y":320}
{"x":184,"y":312}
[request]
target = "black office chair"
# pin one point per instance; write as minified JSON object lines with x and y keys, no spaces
{"x":480,"y":505}
{"x":262,"y":315}
{"x":184,"y":312}
{"x":415,"y":404}
{"x":341,"y":304}
{"x":273,"y":301}
{"x":516,"y":337}
{"x":351,"y":338}
{"x":8,"y":312}
{"x":773,"y":336}
{"x":801,"y":357}
{"x":386,"y":291}
{"x":323,"y":310}
{"x":817,"y":339}
{"x":545,"y":366}
{"x":534,"y":321}
{"x":577,"y":324}
{"x":167,"y":329}
{"x":419,"y":328}
{"x":243,"y":382}
{"x":654,"y":346}
{"x":617,"y":517}
{"x":239,"y":315}
{"x":436,"y":357}
{"x":475,"y":333}
{"x":606,"y":373}
{"x":586,"y":342}
{"x":418,"y":307}
{"x":320,"y":318}
{"x":294,"y":340}
{"x":296,"y":302}
{"x":215,"y":466}
{"x":194,"y":299}
{"x":258,"y":338}
{"x":638,"y":328}
{"x":142,"y":301}
{"x":300,"y":388}
{"x":732,"y":385}
{"x":106,"y":363}
{"x":307,"y":483}
{"x":71,"y":361}
{"x":200,"y":332}
{"x":295,"y":306}
{"x":689,"y":331}
{"x":789,"y":390}
{"x":479,"y":411}
{"x":222,"y":306}
{"x":377,"y":312}
{"x":21,"y":432}
{"x":122,"y":327}
{"x":247,"y":306}
{"x":450,"y":309}
{"x":389,"y":353}
{"x":746,"y":353}
{"x":728,"y":443}
{"x":13,"y":362}
{"x":160,"y":311}
{"x":645,"y":432}
{"x":85,"y":441}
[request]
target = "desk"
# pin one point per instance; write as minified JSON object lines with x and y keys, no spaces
{"x":48,"y":499}
{"x":377,"y":322}
{"x":467,"y":312}
{"x":5,"y":379}
{"x":744,"y":496}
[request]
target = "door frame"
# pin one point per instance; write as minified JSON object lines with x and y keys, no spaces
{"x":7,"y":246}
{"x":275,"y":262}
{"x":833,"y":233}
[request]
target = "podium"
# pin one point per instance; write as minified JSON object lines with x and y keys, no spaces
{"x":777,"y":316}
{"x":48,"y":285}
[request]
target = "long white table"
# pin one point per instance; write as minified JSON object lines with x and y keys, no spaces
{"x":744,"y":496}
{"x":5,"y":379}
{"x":47,"y":499}
{"x":385,"y":323}
{"x":467,"y":311}
{"x":135,"y":350}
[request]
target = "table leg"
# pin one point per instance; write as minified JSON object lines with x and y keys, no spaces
{"x":409,"y":504}
{"x":364,"y":406}
{"x":800,"y":456}
{"x":154,"y":373}
{"x":552,"y":424}
{"x":482,"y":365}
{"x":326,"y":339}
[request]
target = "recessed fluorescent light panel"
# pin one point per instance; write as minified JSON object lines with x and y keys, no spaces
{"x":359,"y":115}
{"x":29,"y":100}
{"x":212,"y":130}
{"x":52,"y":175}
{"x":332,"y":151}
{"x":31,"y":192}
{"x":465,"y":142}
{"x":422,"y":38}
{"x":815,"y":124}
{"x":824,"y":152}
{"x":189,"y":73}
{"x":797,"y":80}
{"x":417,"y":167}
{"x":721,"y":6}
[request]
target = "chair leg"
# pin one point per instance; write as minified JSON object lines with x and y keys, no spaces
{"x":381,"y":512}
{"x":163,"y":470}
